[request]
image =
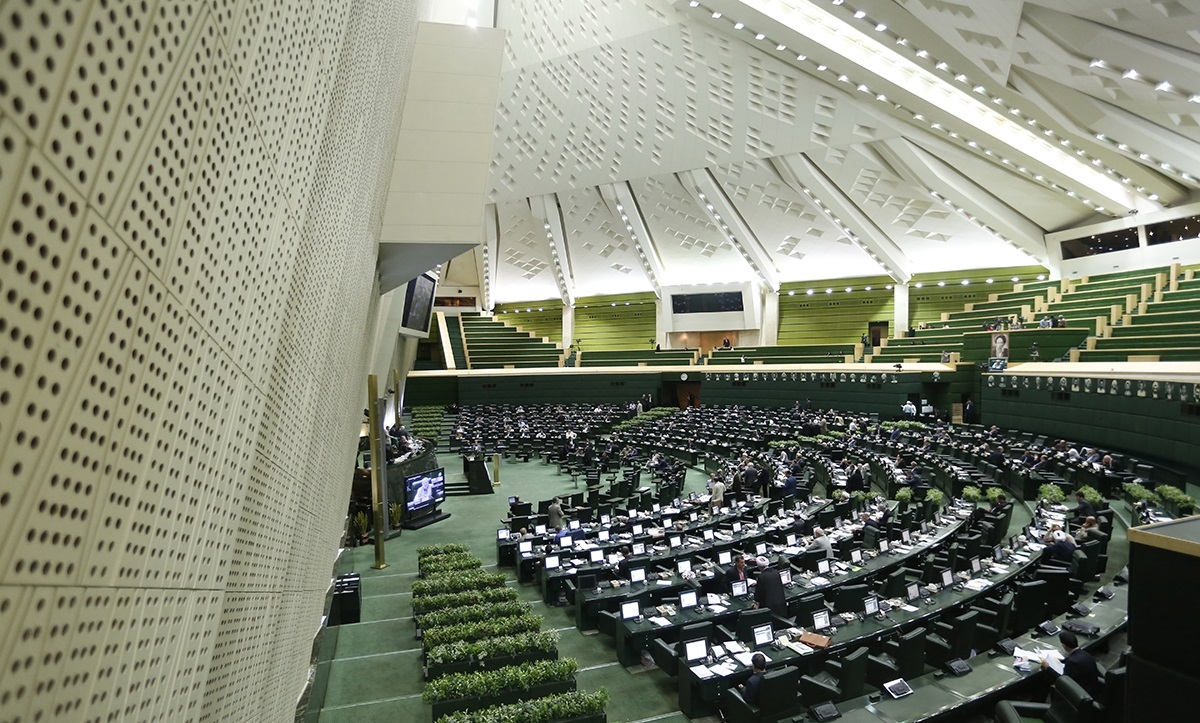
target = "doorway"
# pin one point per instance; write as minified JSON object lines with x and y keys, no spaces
{"x":877,"y":331}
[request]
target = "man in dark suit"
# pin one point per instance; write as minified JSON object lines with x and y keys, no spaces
{"x":736,"y":573}
{"x":1078,"y":665}
{"x":768,"y":591}
{"x":1061,"y":547}
{"x":622,"y":570}
{"x":750,"y":479}
{"x":751,"y":687}
{"x":1083,"y":509}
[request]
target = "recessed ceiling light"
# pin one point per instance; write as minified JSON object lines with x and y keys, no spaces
{"x":941,"y":283}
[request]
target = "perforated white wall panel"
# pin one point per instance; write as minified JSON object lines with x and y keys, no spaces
{"x":189,"y":196}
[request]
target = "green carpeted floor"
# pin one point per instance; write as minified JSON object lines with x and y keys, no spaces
{"x":376,"y":675}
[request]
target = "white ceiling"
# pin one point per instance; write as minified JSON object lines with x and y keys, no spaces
{"x":836,"y":165}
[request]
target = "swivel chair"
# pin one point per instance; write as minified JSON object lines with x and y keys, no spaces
{"x":992,"y":623}
{"x":1069,"y":703}
{"x":894,"y":585}
{"x":777,"y":699}
{"x":900,"y":658}
{"x":849,"y":598}
{"x":948,"y":641}
{"x":840,"y":680}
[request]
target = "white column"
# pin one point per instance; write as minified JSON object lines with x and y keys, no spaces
{"x":568,"y":326}
{"x":768,"y":335}
{"x":901,"y":320}
{"x":664,"y":325}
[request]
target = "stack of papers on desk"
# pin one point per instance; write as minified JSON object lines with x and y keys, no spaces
{"x":660,"y":621}
{"x":723,"y":669}
{"x":977,"y":584}
{"x":1050,"y":655}
{"x":908,"y":608}
{"x":717,"y":608}
{"x":745,"y":658}
{"x":798,"y":647}
{"x":791,"y":550}
{"x":818,"y":581}
{"x":733,"y":647}
{"x":701,"y":671}
{"x":664,"y":582}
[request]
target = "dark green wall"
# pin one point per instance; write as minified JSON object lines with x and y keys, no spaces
{"x":1166,"y":428}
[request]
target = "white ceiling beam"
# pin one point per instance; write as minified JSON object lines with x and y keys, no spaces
{"x":813,"y":38}
{"x":804,"y":177}
{"x":487,"y":256}
{"x":708,"y":194}
{"x":546,"y":209}
{"x":624,"y":206}
{"x":967,"y":198}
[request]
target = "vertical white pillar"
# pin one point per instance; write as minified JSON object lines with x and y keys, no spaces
{"x":768,"y":335}
{"x":900,"y":321}
{"x":663,"y":326}
{"x":568,"y":326}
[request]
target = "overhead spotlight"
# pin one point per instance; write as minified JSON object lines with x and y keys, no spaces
{"x":966,"y":282}
{"x":809,"y":292}
{"x":792,"y":292}
{"x":919,"y":284}
{"x":941,"y":283}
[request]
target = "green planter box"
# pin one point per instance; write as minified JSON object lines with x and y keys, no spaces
{"x":436,"y":671}
{"x":446,"y":707}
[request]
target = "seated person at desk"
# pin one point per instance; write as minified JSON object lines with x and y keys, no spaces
{"x":1078,"y":664}
{"x":820,"y":542}
{"x":866,"y":520}
{"x":768,"y":593}
{"x":749,"y":689}
{"x":554,"y":513}
{"x":736,"y":573}
{"x":1083,"y":509}
{"x":1061,"y":547}
{"x":1089,"y":529}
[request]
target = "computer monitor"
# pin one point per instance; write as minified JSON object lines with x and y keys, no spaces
{"x":870,"y":605}
{"x":947,"y":577}
{"x":512,"y":500}
{"x":525,"y":546}
{"x":763,"y":634}
{"x":737,"y":527}
{"x":596,"y":555}
{"x":539,"y":530}
{"x":760,"y":548}
{"x":856,"y":556}
{"x":708,"y":535}
{"x":906,"y":536}
{"x":837,"y":521}
{"x":502,"y":534}
{"x":668,"y":522}
{"x":656,"y":507}
{"x":724,"y":557}
{"x":785,"y":576}
{"x":675,"y":542}
{"x":912,"y":591}
{"x":675,"y":502}
{"x":687,"y":599}
{"x":683,"y":566}
{"x":639,"y":548}
{"x":637,"y":574}
{"x":884,"y":545}
{"x":573,"y":524}
{"x":739,"y":588}
{"x":566,"y":541}
{"x":630,"y":609}
{"x":695,"y":650}
{"x":602,"y":535}
{"x":551,"y":562}
{"x":997,"y":554}
{"x":823,"y":567}
{"x":637,"y":529}
{"x":587,"y":582}
{"x":976,"y":568}
{"x":791,"y":540}
{"x":924,"y":527}
{"x":693,"y":517}
{"x":605,"y":519}
{"x":820,"y":620}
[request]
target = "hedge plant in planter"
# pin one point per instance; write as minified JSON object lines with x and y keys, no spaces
{"x":482,"y":629}
{"x":1052,"y":493}
{"x":972,"y":494}
{"x":478,"y":689}
{"x":458,"y":582}
{"x":935,"y":497}
{"x":452,"y":562}
{"x":438,"y":618}
{"x":904,"y":494}
{"x":430,"y":603}
{"x":1091,"y":494}
{"x":1139,"y":493}
{"x":568,"y":706}
{"x":1176,"y":500}
{"x":993,"y":493}
{"x":435,"y":550}
{"x":543,"y":644}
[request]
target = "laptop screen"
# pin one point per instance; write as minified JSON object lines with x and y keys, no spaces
{"x":739,"y":588}
{"x":760,"y":548}
{"x":637,"y":574}
{"x":656,"y":507}
{"x":823,"y":567}
{"x":763,"y":634}
{"x":676,"y":541}
{"x":785,"y":576}
{"x":906,"y":536}
{"x":870,"y":605}
{"x":630,"y":609}
{"x":637,"y":529}
{"x":566,"y":541}
{"x":605,"y":519}
{"x":856,"y":556}
{"x":883,"y":545}
{"x":820,"y":619}
{"x":684,"y":566}
{"x":708,"y":534}
{"x":525,"y":546}
{"x":687,"y":599}
{"x":694,"y":650}
{"x":791,"y":540}
{"x":913,"y":591}
{"x":502,"y":534}
{"x":602,"y":536}
{"x":724,"y":557}
{"x":998,"y":553}
{"x":551,"y":562}
{"x":639,"y":548}
{"x":737,"y":527}
{"x":596,"y":556}
{"x":975,"y":566}
{"x":573,"y":524}
{"x":693,"y":517}
{"x":947,"y":578}
{"x":539,"y":530}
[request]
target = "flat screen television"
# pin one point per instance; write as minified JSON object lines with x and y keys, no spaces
{"x":425,"y":490}
{"x":418,"y":303}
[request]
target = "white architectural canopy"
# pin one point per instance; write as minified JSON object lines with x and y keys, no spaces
{"x":791,"y":140}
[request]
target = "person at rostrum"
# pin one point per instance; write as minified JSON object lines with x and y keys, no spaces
{"x":1078,"y":664}
{"x":750,"y":688}
{"x":768,"y":591}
